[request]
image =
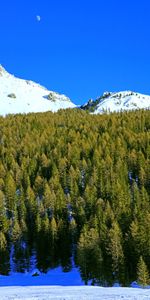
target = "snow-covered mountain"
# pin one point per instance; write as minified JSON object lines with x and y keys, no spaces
{"x":110,"y":102}
{"x":24,"y":96}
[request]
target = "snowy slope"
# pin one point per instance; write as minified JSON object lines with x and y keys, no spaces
{"x":24,"y":96}
{"x":72,"y":293}
{"x":110,"y":102}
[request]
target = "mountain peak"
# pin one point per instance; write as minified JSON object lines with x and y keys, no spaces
{"x":25,"y":96}
{"x":118,"y":101}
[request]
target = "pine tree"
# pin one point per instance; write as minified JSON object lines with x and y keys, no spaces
{"x":4,"y":226}
{"x":10,"y":193}
{"x":116,"y":250}
{"x":142,"y":273}
{"x":89,"y":255}
{"x":4,"y":255}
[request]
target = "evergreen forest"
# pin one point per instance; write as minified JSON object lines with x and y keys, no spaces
{"x":75,"y":187}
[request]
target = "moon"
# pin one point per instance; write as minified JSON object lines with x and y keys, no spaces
{"x":38,"y":18}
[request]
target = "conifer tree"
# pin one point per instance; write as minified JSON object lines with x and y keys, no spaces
{"x":89,"y":255}
{"x":4,"y":255}
{"x":4,"y":225}
{"x":10,"y":193}
{"x":143,"y":278}
{"x":116,"y":249}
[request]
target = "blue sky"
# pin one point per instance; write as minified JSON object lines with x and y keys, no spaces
{"x":80,"y":47}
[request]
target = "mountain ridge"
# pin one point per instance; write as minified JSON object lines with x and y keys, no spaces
{"x":117,"y":101}
{"x":26,"y":96}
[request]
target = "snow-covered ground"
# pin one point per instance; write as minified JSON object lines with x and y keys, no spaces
{"x":53,"y":277}
{"x":72,"y":293}
{"x":25,"y":96}
{"x":62,"y":285}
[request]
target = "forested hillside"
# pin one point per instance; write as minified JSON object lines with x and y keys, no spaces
{"x":76,"y":185}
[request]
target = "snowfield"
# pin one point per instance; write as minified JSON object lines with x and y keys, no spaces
{"x":72,"y":293}
{"x":25,"y":96}
{"x":62,"y":285}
